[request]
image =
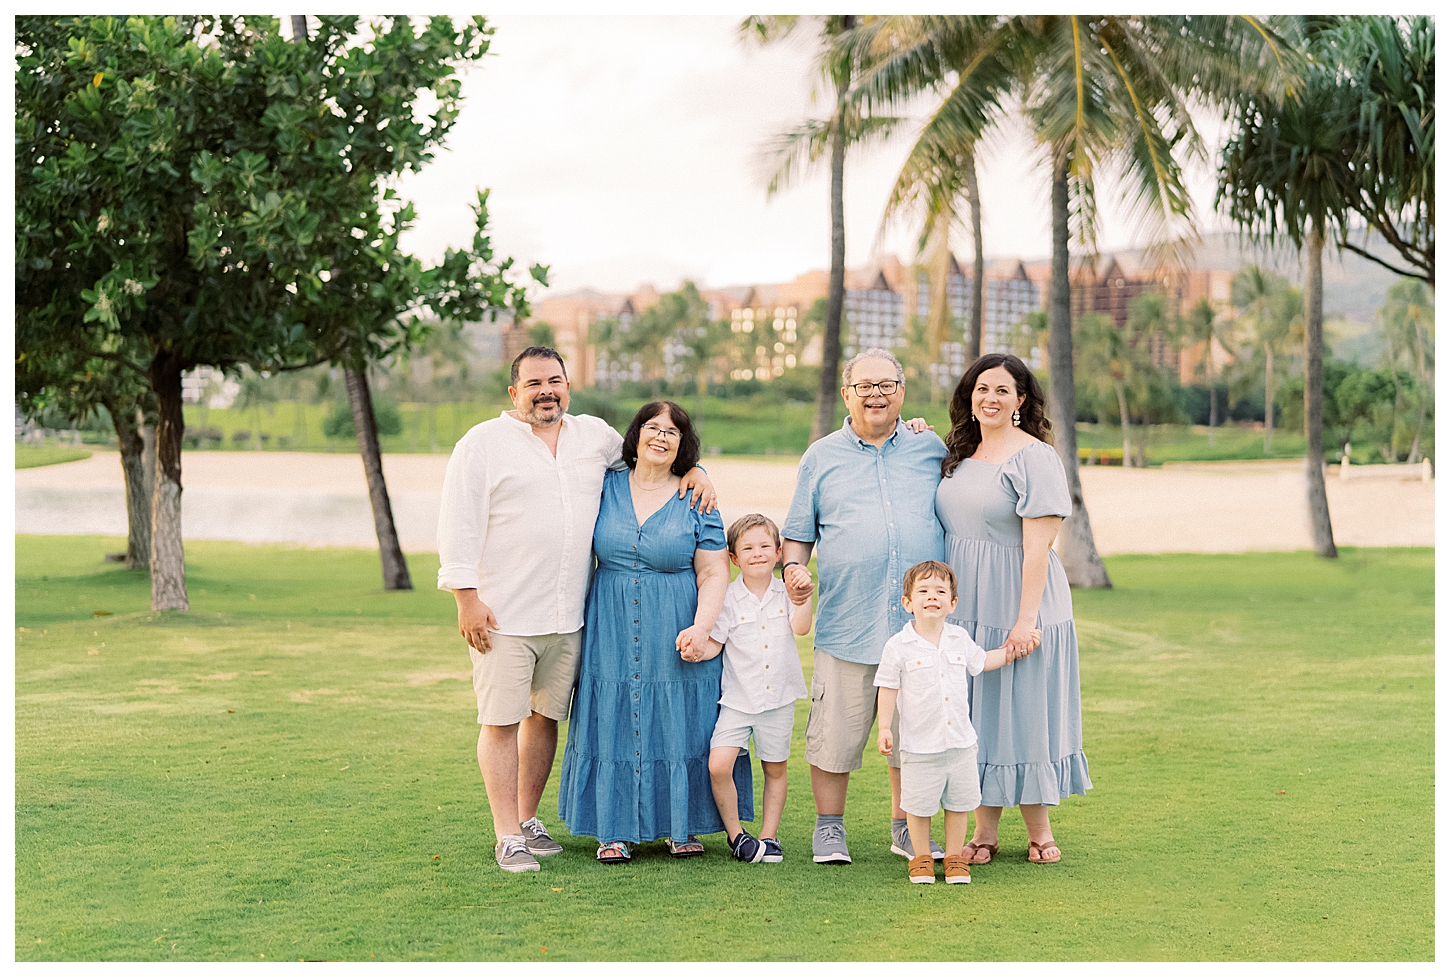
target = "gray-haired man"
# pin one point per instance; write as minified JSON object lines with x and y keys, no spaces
{"x":866,"y":497}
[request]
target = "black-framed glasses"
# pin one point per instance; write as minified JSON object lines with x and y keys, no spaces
{"x":651,"y":432}
{"x":887,"y":387}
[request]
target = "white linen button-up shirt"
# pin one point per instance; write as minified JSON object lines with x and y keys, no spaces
{"x":517,"y":522}
{"x":762,"y":668}
{"x":933,"y":687}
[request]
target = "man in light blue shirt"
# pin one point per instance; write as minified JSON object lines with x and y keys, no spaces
{"x":866,"y":495}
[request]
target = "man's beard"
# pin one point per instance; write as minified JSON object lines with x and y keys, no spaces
{"x":543,"y":410}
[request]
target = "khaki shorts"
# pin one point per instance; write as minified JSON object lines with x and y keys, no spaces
{"x":525,"y":673}
{"x":843,"y":709}
{"x":935,"y":781}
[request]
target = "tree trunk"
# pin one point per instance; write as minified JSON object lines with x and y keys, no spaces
{"x":132,"y":438}
{"x":1123,"y":420}
{"x":1212,"y":389}
{"x":828,"y":394}
{"x":1392,"y":455}
{"x":395,"y":568}
{"x":168,"y":558}
{"x":979,"y":262}
{"x":1075,"y":546}
{"x":1268,"y":399}
{"x":1319,"y":523}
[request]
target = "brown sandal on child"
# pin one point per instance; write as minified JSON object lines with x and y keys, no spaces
{"x":1041,"y":859}
{"x":973,"y":847}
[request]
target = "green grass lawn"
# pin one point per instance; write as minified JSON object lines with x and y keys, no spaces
{"x":34,"y":456}
{"x":288,"y":772}
{"x":1182,"y":442}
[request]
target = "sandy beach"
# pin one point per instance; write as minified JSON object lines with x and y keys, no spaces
{"x":321,"y":500}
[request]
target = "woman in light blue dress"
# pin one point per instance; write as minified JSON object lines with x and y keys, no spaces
{"x":1002,"y":497}
{"x":636,"y":764}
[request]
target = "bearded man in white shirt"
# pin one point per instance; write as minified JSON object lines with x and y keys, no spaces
{"x":515,"y":537}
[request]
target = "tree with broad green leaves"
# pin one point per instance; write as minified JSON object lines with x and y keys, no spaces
{"x":199,"y":190}
{"x":67,"y":380}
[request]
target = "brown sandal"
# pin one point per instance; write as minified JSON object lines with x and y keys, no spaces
{"x":974,"y":847}
{"x":1034,"y":847}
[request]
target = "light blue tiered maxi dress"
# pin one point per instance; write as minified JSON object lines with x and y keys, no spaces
{"x":1027,"y":714}
{"x":637,"y":761}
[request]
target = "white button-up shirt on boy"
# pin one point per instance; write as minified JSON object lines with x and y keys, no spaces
{"x":762,"y":668}
{"x":932,"y":701}
{"x":517,"y":522}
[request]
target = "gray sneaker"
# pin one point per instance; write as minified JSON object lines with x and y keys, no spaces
{"x":828,"y":846}
{"x":538,"y":840}
{"x":901,"y":844}
{"x":513,"y":855}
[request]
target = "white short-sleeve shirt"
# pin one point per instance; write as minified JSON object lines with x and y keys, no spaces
{"x":762,"y":668}
{"x":517,"y":521}
{"x":932,"y":681}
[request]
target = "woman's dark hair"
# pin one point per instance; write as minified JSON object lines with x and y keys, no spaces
{"x":689,"y":453}
{"x":966,"y":433}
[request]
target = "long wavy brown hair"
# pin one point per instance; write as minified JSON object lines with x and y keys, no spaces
{"x":966,"y":433}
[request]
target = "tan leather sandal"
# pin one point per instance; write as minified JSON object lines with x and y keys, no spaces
{"x":1033,"y":848}
{"x":974,"y":847}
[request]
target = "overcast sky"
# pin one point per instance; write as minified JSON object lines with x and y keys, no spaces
{"x":625,"y":149}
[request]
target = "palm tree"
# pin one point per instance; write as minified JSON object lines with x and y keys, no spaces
{"x":1408,"y":319}
{"x":1272,"y":308}
{"x":794,"y":151}
{"x":967,"y":62}
{"x":1112,"y":92}
{"x":1110,"y":365}
{"x":1288,"y":170}
{"x":1102,"y":91}
{"x":1203,"y":326}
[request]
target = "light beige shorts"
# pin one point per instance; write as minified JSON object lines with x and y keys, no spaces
{"x":934,"y":781}
{"x":521,"y":674}
{"x":843,"y":709}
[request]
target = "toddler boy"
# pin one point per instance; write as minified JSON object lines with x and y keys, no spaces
{"x":924,"y":668}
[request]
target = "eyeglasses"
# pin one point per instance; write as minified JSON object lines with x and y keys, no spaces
{"x":887,"y":388}
{"x":651,"y":432}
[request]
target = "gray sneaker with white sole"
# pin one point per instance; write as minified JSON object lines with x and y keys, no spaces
{"x":901,"y":844}
{"x":513,"y":855}
{"x":538,"y":841}
{"x":828,"y":845}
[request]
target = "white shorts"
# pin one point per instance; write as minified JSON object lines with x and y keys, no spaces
{"x":931,"y":781}
{"x":772,"y":730}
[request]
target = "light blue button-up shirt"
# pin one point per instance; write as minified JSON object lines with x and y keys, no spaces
{"x":872,"y":515}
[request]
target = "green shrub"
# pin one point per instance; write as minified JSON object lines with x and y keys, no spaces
{"x":339,"y":421}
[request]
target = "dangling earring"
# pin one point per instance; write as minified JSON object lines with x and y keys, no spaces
{"x":974,"y":415}
{"x":1016,"y":418}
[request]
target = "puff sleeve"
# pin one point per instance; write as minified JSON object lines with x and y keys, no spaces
{"x":1036,"y":474}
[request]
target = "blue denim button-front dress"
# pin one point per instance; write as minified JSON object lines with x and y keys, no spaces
{"x":636,"y":764}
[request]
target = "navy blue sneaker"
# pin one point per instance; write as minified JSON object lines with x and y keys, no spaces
{"x":773,"y":851}
{"x":746,"y":849}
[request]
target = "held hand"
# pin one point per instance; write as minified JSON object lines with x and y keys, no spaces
{"x":884,"y":742}
{"x":798,"y":584}
{"x":918,"y":425}
{"x":697,"y":482}
{"x":475,"y":621}
{"x":691,"y":643}
{"x":1020,"y":640}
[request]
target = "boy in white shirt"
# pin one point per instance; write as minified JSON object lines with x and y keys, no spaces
{"x":924,"y":668}
{"x":759,"y":684}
